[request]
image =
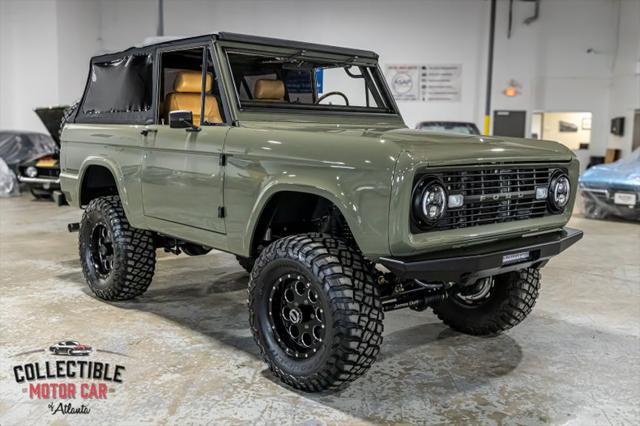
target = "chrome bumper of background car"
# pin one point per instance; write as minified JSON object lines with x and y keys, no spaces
{"x":25,"y":179}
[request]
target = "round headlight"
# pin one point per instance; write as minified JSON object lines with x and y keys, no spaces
{"x":429,"y":201}
{"x":31,"y":171}
{"x":559,"y":192}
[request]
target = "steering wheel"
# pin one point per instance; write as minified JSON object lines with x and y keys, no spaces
{"x":336,"y":93}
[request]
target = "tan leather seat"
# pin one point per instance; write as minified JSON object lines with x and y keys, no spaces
{"x":186,"y":96}
{"x":269,"y":90}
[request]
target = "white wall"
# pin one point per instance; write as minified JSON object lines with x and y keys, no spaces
{"x":549,"y":57}
{"x":28,"y":61}
{"x":625,"y":83}
{"x":79,"y":38}
{"x":45,"y":46}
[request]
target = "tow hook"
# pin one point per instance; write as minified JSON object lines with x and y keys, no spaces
{"x":73,"y":226}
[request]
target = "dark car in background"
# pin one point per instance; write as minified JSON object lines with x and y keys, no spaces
{"x":16,"y":148}
{"x":612,"y":189}
{"x":449,"y":127}
{"x":42,"y":174}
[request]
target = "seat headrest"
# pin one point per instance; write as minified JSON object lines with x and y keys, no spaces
{"x":191,"y":82}
{"x":272,"y":90}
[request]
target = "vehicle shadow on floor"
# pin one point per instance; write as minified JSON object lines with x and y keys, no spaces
{"x":427,"y":358}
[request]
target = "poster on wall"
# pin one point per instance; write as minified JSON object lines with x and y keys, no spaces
{"x":425,"y":82}
{"x":404,"y":81}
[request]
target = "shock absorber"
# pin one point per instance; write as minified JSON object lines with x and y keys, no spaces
{"x":417,"y":299}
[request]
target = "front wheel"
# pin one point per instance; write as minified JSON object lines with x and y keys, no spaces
{"x":315,"y":312}
{"x":117,"y":259}
{"x":491,"y":305}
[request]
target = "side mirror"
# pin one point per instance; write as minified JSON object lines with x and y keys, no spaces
{"x":181,"y":119}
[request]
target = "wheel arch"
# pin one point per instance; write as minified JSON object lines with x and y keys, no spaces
{"x":100,"y":176}
{"x":271,"y":199}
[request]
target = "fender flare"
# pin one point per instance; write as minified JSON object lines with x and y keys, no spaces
{"x":115,"y":171}
{"x":277,"y":187}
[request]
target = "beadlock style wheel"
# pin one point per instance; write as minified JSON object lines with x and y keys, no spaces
{"x":296,"y":315}
{"x":315,"y":312}
{"x":117,"y":259}
{"x":101,"y":248}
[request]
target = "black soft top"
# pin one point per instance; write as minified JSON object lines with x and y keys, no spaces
{"x":119,"y":87}
{"x":243,"y":38}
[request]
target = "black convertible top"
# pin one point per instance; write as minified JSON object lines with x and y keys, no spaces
{"x":243,"y":38}
{"x":120,"y":89}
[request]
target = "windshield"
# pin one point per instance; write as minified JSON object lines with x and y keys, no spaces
{"x":464,"y":128}
{"x":297,"y":82}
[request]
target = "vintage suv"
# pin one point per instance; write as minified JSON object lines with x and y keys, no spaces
{"x":293,"y":157}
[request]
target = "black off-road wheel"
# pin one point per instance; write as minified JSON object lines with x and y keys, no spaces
{"x":492,"y":305}
{"x":315,"y":312}
{"x":246,"y":262}
{"x":117,"y":259}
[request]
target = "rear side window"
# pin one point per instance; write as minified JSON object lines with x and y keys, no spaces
{"x":119,"y":90}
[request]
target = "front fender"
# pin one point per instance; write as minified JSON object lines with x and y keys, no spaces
{"x":361,"y":197}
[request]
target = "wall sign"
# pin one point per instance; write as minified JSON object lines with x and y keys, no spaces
{"x":425,"y":82}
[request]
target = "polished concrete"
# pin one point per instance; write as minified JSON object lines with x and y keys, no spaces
{"x":190,"y":357}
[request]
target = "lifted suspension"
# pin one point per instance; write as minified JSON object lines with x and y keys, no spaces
{"x":418,"y":299}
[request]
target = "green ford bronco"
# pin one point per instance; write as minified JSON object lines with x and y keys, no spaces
{"x":294,"y":158}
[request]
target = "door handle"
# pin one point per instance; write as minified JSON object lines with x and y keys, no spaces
{"x":145,"y":132}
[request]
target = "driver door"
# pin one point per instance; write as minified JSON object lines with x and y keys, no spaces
{"x":182,"y":175}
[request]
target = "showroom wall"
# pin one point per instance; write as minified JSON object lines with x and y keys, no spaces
{"x":624,"y":96}
{"x":45,"y":46}
{"x":571,"y":59}
{"x":28,"y":62}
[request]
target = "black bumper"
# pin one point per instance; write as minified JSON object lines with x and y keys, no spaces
{"x":466,"y":265}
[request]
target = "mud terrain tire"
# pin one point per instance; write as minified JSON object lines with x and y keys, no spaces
{"x":128,"y":271}
{"x":352,"y":318}
{"x":510,"y":300}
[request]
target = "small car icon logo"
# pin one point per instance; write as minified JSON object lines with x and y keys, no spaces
{"x":70,"y":347}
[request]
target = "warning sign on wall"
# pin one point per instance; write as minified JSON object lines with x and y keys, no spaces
{"x":425,"y":82}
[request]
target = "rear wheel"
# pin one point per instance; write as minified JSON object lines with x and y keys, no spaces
{"x":315,"y":312}
{"x":492,"y":305}
{"x":117,"y":259}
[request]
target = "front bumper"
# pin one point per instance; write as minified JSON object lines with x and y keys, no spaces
{"x":465,"y":266}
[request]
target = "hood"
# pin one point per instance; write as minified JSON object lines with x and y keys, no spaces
{"x":51,"y":118}
{"x":622,"y":173}
{"x":379,"y":145}
{"x":446,"y":148}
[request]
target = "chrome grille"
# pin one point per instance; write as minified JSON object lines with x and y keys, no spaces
{"x":494,"y":195}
